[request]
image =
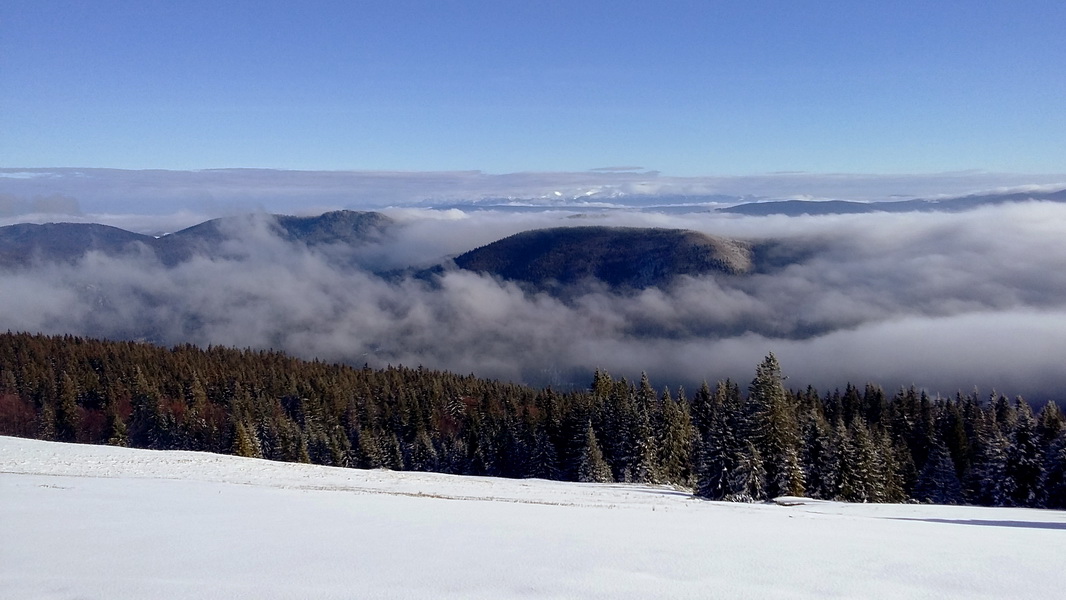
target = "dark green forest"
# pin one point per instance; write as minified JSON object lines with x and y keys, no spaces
{"x":727,"y":441}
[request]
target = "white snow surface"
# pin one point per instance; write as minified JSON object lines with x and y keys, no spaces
{"x":83,"y":522}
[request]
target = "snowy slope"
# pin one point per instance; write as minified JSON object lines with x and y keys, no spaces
{"x":101,"y":522}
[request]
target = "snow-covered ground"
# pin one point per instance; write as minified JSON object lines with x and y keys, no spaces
{"x":98,"y":522}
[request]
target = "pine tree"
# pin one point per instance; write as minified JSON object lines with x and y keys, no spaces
{"x":67,"y":415}
{"x":938,"y":483}
{"x":702,"y":407}
{"x":987,"y":482}
{"x":46,"y":420}
{"x":543,"y":462}
{"x":721,"y":446}
{"x":889,"y":476}
{"x":817,"y":454}
{"x":675,"y":441}
{"x":115,"y":433}
{"x":747,"y":482}
{"x":1053,"y":485}
{"x":146,"y":423}
{"x":858,"y":472}
{"x":775,"y":431}
{"x":1025,"y":459}
{"x":1049,"y":423}
{"x":592,"y":468}
{"x":245,"y":442}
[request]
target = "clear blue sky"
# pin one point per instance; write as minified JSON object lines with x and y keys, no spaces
{"x":687,"y":88}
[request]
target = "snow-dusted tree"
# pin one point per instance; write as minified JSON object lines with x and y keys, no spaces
{"x":1025,"y":461}
{"x":817,"y":455}
{"x":591,"y":465}
{"x":889,"y":472}
{"x":987,"y":482}
{"x":719,"y":452}
{"x":858,"y":474}
{"x":245,"y":442}
{"x":747,"y":482}
{"x":1049,"y":423}
{"x":703,"y":407}
{"x":67,"y":416}
{"x":938,"y":482}
{"x":774,"y":430}
{"x":675,"y":440}
{"x":1053,"y":485}
{"x":544,"y":460}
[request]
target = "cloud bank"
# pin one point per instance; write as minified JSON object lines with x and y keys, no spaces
{"x":221,"y":192}
{"x":945,"y":302}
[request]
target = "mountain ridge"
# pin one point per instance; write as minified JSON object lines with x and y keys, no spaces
{"x":24,"y":244}
{"x":795,"y":208}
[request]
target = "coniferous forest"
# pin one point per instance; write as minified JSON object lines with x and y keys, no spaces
{"x":729,"y":441}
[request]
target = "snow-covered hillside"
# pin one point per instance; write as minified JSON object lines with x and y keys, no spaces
{"x":99,"y":522}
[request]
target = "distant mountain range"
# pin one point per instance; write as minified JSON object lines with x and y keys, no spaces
{"x":545,"y":259}
{"x":24,"y":244}
{"x":840,"y":207}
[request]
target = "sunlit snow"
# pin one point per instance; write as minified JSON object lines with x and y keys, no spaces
{"x":99,"y":522}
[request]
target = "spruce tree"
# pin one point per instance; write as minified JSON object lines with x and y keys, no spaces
{"x":774,"y":430}
{"x":67,"y":416}
{"x":857,"y":475}
{"x":747,"y":482}
{"x":987,"y":483}
{"x":938,"y":483}
{"x":1053,"y":485}
{"x":817,"y":454}
{"x":592,"y":468}
{"x":1049,"y":423}
{"x":719,"y":452}
{"x":1025,"y":459}
{"x":115,"y":433}
{"x":675,"y":441}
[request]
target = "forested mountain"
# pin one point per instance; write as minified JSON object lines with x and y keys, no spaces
{"x":839,"y":207}
{"x":23,"y":244}
{"x":618,"y":256}
{"x":723,"y":441}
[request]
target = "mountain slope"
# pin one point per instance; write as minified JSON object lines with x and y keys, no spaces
{"x":618,"y":256}
{"x":26,"y":243}
{"x":23,"y":244}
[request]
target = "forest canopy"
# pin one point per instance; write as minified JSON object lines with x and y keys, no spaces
{"x":724,"y":441}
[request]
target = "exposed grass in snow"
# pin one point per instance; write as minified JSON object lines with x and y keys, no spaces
{"x":100,"y":522}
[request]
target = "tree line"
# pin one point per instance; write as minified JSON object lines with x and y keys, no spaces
{"x":723,"y":441}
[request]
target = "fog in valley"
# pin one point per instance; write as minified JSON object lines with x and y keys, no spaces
{"x":946,"y":302}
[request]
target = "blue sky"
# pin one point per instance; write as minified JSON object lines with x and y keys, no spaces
{"x":685,"y":88}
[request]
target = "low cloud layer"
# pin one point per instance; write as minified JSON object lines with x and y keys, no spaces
{"x":946,"y":302}
{"x":220,"y":192}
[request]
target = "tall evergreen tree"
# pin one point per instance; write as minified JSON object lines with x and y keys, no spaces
{"x":67,"y":415}
{"x":719,"y":452}
{"x":938,"y":483}
{"x":1025,"y":461}
{"x":747,"y":482}
{"x":817,"y":455}
{"x":675,"y":441}
{"x":775,"y":431}
{"x":592,"y":468}
{"x":1054,"y":483}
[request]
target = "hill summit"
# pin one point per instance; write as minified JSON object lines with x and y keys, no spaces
{"x":621,"y":257}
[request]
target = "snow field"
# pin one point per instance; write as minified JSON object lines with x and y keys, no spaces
{"x":99,"y":522}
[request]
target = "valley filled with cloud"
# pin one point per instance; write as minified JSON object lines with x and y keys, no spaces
{"x":943,"y":301}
